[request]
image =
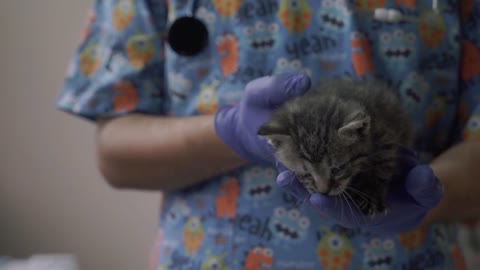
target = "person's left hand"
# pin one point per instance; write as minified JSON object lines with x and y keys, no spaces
{"x":410,"y":197}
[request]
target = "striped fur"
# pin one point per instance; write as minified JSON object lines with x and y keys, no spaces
{"x":344,"y":133}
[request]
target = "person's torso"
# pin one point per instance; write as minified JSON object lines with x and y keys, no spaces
{"x":242,"y":220}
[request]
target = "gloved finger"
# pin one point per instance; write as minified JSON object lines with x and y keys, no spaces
{"x":289,"y":182}
{"x":273,"y":91}
{"x":280,"y":166}
{"x":406,"y":159}
{"x":424,"y":186}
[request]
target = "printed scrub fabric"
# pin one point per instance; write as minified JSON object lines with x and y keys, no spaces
{"x":242,"y":220}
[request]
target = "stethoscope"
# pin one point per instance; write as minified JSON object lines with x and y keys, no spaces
{"x":188,"y":36}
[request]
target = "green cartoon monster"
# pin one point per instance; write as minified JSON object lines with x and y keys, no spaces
{"x":334,"y":249}
{"x":215,"y":263}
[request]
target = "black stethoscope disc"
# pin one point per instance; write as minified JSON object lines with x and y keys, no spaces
{"x":188,"y":36}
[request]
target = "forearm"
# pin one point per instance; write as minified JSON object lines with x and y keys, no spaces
{"x":161,"y":153}
{"x":459,"y":171}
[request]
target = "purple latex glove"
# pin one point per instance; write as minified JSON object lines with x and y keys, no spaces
{"x":412,"y":194}
{"x":237,"y":125}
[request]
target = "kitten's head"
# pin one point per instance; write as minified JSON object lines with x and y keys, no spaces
{"x":325,"y":148}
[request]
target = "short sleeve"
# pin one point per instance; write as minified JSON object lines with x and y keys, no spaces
{"x":468,"y":120}
{"x":118,"y":67}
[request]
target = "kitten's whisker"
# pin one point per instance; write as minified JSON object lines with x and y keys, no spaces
{"x":360,"y":193}
{"x":358,"y":207}
{"x":344,"y":194}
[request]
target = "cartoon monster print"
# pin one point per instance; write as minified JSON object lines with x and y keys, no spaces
{"x":458,"y":258}
{"x":362,"y":60}
{"x":406,"y":3}
{"x":140,"y":50}
{"x":431,"y":26}
{"x":226,"y":201}
{"x":466,"y":7}
{"x":227,"y":48}
{"x":396,"y":50}
{"x":208,"y":17}
{"x":378,"y":254}
{"x":227,"y":8}
{"x":179,"y":87}
{"x":214,"y":263}
{"x":414,"y":93}
{"x":288,"y":226}
{"x":470,"y":63}
{"x":472,"y":131}
{"x":207,"y":102}
{"x":370,"y":4}
{"x":193,"y":234}
{"x":334,"y":249}
{"x":436,"y":110}
{"x":90,"y":59}
{"x":176,"y":214}
{"x":125,"y":98}
{"x":334,"y":15}
{"x":283,"y":66}
{"x":261,"y":37}
{"x":258,"y":258}
{"x":123,"y":14}
{"x":295,"y":15}
{"x":259,"y":185}
{"x":91,"y":16}
{"x":412,"y":240}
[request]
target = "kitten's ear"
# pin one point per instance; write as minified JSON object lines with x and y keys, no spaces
{"x":274,"y":132}
{"x":356,"y":128}
{"x":272,"y":128}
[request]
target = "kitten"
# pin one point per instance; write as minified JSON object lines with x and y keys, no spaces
{"x":342,"y":139}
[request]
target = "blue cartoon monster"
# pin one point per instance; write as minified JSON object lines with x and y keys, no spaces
{"x":379,"y":254}
{"x":259,"y":185}
{"x":179,"y":87}
{"x":176,"y":215}
{"x":261,"y":37}
{"x":396,"y":50}
{"x":288,"y":226}
{"x":334,"y":16}
{"x":283,"y":66}
{"x":208,"y":17}
{"x":414,"y":95}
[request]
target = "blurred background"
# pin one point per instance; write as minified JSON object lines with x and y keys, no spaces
{"x":52,"y":199}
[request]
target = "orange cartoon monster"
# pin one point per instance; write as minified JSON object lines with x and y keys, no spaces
{"x":193,"y":234}
{"x":140,"y":50}
{"x":369,"y":4}
{"x":407,"y":3}
{"x":226,"y":201}
{"x":90,"y":59}
{"x":258,"y":258}
{"x":413,"y":239}
{"x":361,"y":55}
{"x":227,"y":8}
{"x":470,"y":62}
{"x":125,"y":98}
{"x":123,"y":14}
{"x":227,"y":48}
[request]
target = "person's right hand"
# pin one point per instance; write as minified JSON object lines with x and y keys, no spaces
{"x":237,"y":125}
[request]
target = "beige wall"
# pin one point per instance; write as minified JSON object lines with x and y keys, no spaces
{"x":51,"y":197}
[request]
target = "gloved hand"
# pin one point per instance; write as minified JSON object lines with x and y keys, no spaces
{"x":237,"y":125}
{"x":412,"y":194}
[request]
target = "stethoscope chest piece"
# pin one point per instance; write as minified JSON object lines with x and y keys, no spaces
{"x":187,"y":36}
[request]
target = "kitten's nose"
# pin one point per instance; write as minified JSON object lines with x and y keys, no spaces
{"x":334,"y":184}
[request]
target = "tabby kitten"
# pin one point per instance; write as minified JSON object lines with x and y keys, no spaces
{"x":341,"y":139}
